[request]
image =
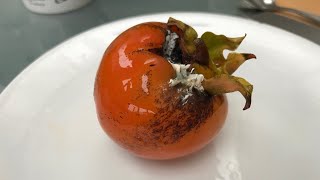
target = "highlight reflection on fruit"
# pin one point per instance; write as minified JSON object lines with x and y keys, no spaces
{"x":159,"y":90}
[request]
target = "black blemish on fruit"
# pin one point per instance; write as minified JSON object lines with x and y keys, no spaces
{"x":157,"y":51}
{"x":151,"y":65}
{"x":176,"y":55}
{"x":174,"y":120}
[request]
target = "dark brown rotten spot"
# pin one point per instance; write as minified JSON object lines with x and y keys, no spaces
{"x":157,"y":51}
{"x":174,"y":119}
{"x":186,"y":58}
{"x":201,"y":55}
{"x":176,"y":55}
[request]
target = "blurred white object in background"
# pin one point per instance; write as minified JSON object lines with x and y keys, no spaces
{"x":54,"y":6}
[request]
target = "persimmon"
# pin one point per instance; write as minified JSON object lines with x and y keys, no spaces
{"x":159,"y":89}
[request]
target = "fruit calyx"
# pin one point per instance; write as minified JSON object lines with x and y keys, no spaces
{"x":204,"y":56}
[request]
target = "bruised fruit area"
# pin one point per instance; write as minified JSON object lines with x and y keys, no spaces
{"x":159,"y":89}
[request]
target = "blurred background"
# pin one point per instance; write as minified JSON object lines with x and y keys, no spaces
{"x":25,"y":35}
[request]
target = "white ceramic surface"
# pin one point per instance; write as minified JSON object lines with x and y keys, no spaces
{"x":54,"y":6}
{"x":49,"y":129}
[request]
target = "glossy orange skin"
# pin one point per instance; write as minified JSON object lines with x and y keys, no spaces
{"x":134,"y":102}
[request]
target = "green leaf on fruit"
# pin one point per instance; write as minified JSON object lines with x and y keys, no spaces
{"x":205,"y":54}
{"x":226,"y":83}
{"x":216,"y":44}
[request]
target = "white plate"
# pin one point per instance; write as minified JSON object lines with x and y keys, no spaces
{"x":49,"y":129}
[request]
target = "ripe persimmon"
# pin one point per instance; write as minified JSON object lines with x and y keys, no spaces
{"x":159,"y":89}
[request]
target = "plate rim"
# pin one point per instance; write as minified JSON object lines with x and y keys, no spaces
{"x":28,"y":72}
